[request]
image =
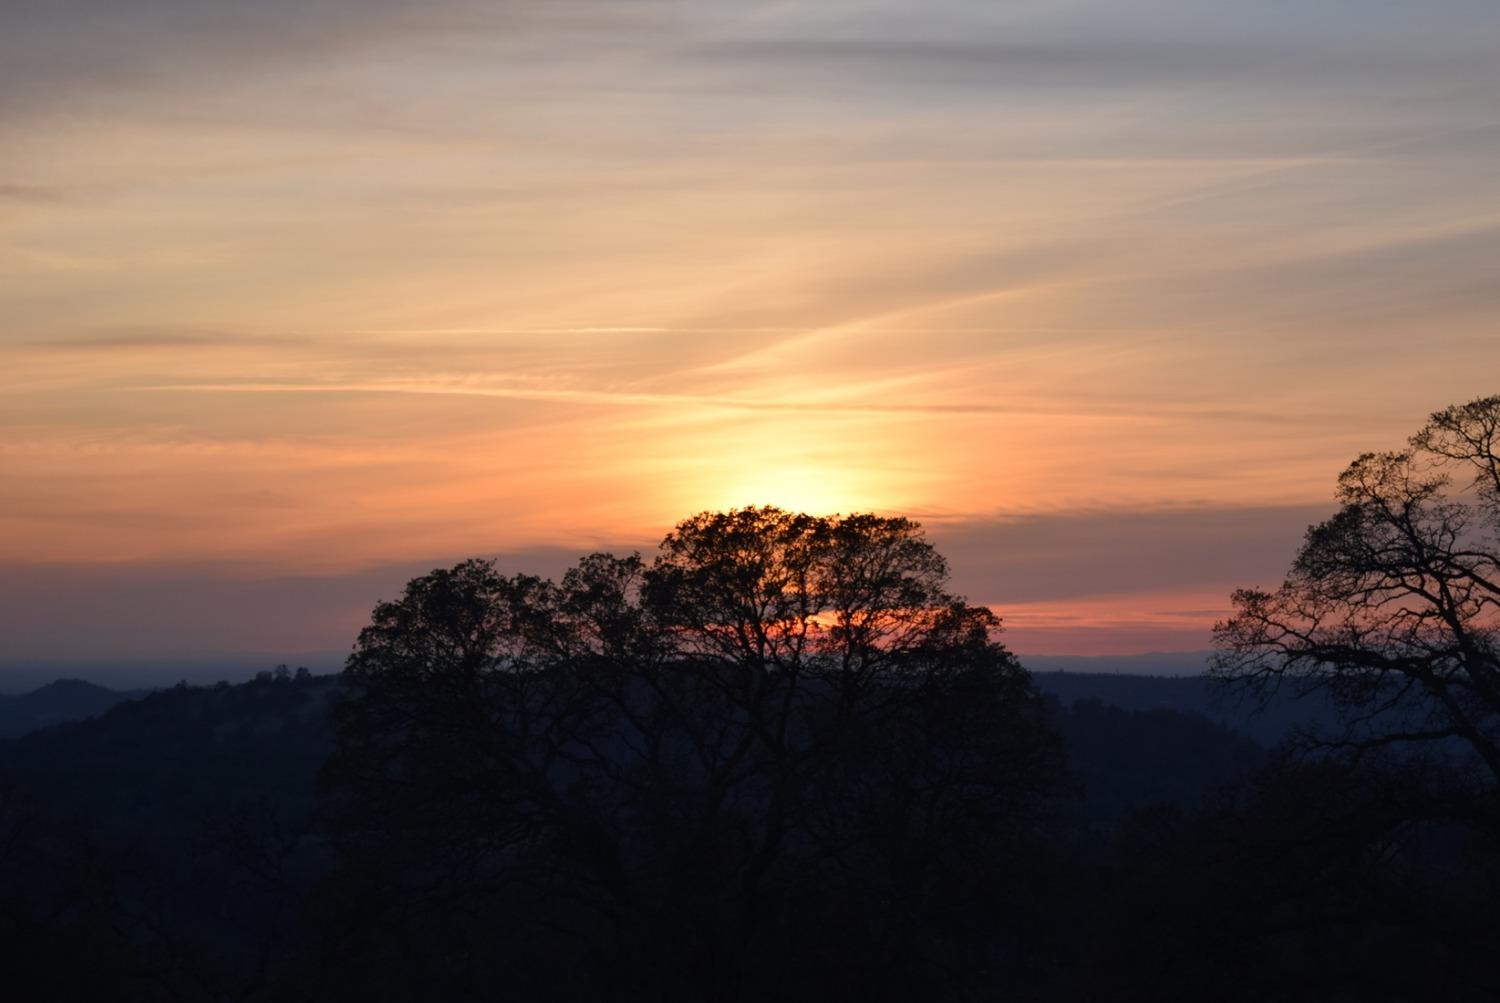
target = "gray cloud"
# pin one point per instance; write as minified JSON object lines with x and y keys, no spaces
{"x":1378,"y":46}
{"x":1385,"y":288}
{"x":54,"y":53}
{"x":42,"y":194}
{"x":1101,"y":63}
{"x":57,"y":613}
{"x":173,"y":611}
{"x":1069,"y":555}
{"x":56,"y":50}
{"x":132,"y":339}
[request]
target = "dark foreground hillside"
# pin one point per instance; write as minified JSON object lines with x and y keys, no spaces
{"x":171,"y":849}
{"x":181,"y":754}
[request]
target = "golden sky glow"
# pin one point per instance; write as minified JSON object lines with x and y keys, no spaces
{"x":293,"y":290}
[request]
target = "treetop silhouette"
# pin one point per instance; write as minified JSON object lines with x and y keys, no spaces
{"x":778,"y":743}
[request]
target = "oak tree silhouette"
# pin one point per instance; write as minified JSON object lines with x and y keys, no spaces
{"x":778,"y":760}
{"x":1392,"y":605}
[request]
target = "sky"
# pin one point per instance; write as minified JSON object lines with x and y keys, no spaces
{"x":300,"y":299}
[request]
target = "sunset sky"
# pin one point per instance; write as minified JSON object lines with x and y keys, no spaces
{"x":299,"y":299}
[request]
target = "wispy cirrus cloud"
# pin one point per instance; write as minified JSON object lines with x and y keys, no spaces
{"x":867,"y":402}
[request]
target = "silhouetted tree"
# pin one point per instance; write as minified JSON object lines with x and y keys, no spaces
{"x":780,"y":760}
{"x":1393,"y":604}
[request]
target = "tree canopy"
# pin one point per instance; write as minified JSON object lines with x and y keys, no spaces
{"x":780,"y":747}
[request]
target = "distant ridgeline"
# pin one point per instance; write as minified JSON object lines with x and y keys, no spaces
{"x":1267,"y":723}
{"x":55,"y":703}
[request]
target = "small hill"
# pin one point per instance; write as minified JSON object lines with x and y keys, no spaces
{"x":56,"y":703}
{"x":179,"y":751}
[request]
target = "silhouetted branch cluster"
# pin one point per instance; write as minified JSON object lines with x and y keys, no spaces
{"x":1393,"y":604}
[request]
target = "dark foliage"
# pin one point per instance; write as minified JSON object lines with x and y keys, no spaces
{"x":1131,"y":759}
{"x":1313,"y":881}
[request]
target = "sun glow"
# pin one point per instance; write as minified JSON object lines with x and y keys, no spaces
{"x":800,"y":488}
